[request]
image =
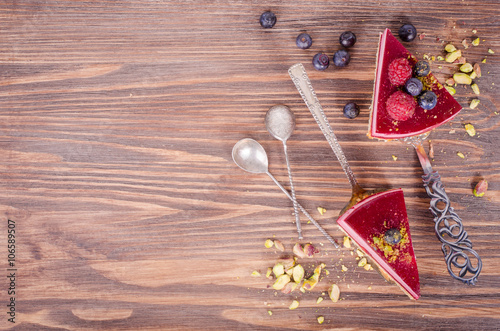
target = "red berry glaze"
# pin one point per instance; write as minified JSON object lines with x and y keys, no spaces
{"x":400,"y":71}
{"x":401,"y":106}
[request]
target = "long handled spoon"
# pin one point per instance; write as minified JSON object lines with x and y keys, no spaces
{"x":303,"y":84}
{"x":280,"y":123}
{"x":250,"y":156}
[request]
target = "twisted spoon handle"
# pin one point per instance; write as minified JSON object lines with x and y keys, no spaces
{"x":457,"y":249}
{"x":292,"y":189}
{"x":299,"y":77}
{"x":313,"y":221}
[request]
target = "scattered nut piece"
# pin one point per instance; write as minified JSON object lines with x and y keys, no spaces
{"x":255,"y":274}
{"x":480,"y":188}
{"x":490,"y":51}
{"x":270,"y":313}
{"x":299,"y":250}
{"x":475,"y":88}
{"x":473,"y":75}
{"x":475,"y":42}
{"x":319,"y":300}
{"x":477,"y":69}
{"x":321,"y":210}
{"x":281,"y":282}
{"x":334,"y":292}
{"x":474,"y":103}
{"x":470,"y":129}
{"x":461,"y":78}
{"x":294,"y":305}
{"x":289,"y":288}
{"x":360,"y":252}
{"x":344,"y":268}
{"x":465,"y":43}
{"x":269,"y":273}
{"x":269,"y":243}
{"x":320,"y":319}
{"x":311,"y":282}
{"x":362,"y":262}
{"x":450,"y":81}
{"x":347,"y":242}
{"x":278,"y":269}
{"x":368,"y":267}
{"x":474,"y":31}
{"x":467,"y":67}
{"x":279,"y":246}
{"x":298,"y":273}
{"x":394,"y":157}
{"x":440,"y":58}
{"x":451,"y":57}
{"x":461,"y":60}
{"x":460,"y":154}
{"x":450,"y":90}
{"x":310,"y":250}
{"x":450,"y":48}
{"x":484,"y":60}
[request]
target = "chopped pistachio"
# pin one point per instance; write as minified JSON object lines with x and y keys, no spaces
{"x":461,"y":155}
{"x":465,"y":43}
{"x":480,"y":188}
{"x":278,"y":269}
{"x":474,"y":103}
{"x":450,"y":90}
{"x":461,"y":60}
{"x":279,"y":246}
{"x":298,"y":273}
{"x":462,"y":78}
{"x":310,"y":250}
{"x":360,"y":252}
{"x":467,"y":67}
{"x":334,"y":292}
{"x":299,"y":250}
{"x":450,"y":81}
{"x":394,"y":157}
{"x":321,"y":210}
{"x":320,"y":319}
{"x":269,"y":273}
{"x":484,"y":60}
{"x":440,"y":58}
{"x":475,"y":42}
{"x":344,"y":268}
{"x":451,"y":57}
{"x":255,"y":274}
{"x":477,"y":69}
{"x":362,"y":262}
{"x":294,"y":305}
{"x":311,"y":282}
{"x":474,"y":31}
{"x":270,"y":313}
{"x":473,"y":75}
{"x":450,"y":48}
{"x":368,"y":267}
{"x":347,"y":242}
{"x":469,"y":128}
{"x":490,"y":51}
{"x":475,"y":88}
{"x":289,"y":288}
{"x":319,"y":300}
{"x":269,"y":243}
{"x":281,"y":282}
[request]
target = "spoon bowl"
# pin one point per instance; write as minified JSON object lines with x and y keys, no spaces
{"x":250,"y":156}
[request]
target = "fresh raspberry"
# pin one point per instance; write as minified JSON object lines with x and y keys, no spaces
{"x":399,"y":71}
{"x":401,"y":106}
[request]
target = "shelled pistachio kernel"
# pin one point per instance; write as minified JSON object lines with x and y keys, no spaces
{"x":321,"y":210}
{"x":475,"y":42}
{"x":467,"y":67}
{"x":462,"y":78}
{"x":450,"y":48}
{"x":474,"y":103}
{"x":461,"y":155}
{"x":469,"y":128}
{"x":347,"y":242}
{"x":279,"y":246}
{"x":450,"y":90}
{"x":450,"y":81}
{"x":269,"y":243}
{"x":473,"y":75}
{"x":320,"y":319}
{"x":480,"y":188}
{"x":255,"y":273}
{"x":451,"y":57}
{"x":319,"y":299}
{"x":334,"y":292}
{"x":362,"y":262}
{"x":477,"y":69}
{"x":294,"y":305}
{"x":475,"y":88}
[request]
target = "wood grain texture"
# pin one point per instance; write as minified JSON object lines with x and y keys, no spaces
{"x":117,"y":120}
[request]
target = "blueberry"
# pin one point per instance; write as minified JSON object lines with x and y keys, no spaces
{"x":427,"y":100}
{"x":414,"y":86}
{"x":351,"y":110}
{"x":347,"y":39}
{"x":422,"y":69}
{"x":267,"y":19}
{"x":304,"y":41}
{"x":341,"y":58}
{"x":392,"y":236}
{"x":321,"y":61}
{"x":407,"y":32}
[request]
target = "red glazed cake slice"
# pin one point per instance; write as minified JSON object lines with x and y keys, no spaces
{"x":382,"y":125}
{"x":379,"y":227}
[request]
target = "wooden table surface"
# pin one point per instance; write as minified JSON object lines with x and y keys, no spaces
{"x":117,"y":120}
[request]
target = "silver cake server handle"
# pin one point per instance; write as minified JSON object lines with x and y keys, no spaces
{"x":456,"y":246}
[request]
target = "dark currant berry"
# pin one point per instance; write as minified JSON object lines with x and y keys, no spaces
{"x":347,"y":39}
{"x":321,"y":61}
{"x":304,"y":41}
{"x":267,"y":19}
{"x":422,"y":69}
{"x":407,"y":32}
{"x":351,"y":110}
{"x":392,"y":236}
{"x":341,"y":58}
{"x":414,"y":86}
{"x":427,"y":100}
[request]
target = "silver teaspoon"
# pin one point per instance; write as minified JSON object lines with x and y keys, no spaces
{"x":250,"y":156}
{"x":280,"y":123}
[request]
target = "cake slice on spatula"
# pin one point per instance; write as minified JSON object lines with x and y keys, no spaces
{"x":378,"y":225}
{"x":390,"y":78}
